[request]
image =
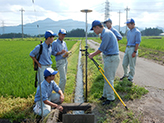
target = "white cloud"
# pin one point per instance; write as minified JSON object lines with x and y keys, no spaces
{"x":146,"y":13}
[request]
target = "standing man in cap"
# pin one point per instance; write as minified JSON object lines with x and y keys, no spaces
{"x":59,"y":50}
{"x":108,"y":23}
{"x":131,"y":52}
{"x":49,"y":99}
{"x":109,"y":47}
{"x":45,"y":57}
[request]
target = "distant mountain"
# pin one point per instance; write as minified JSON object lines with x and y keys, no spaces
{"x":43,"y":25}
{"x":48,"y":24}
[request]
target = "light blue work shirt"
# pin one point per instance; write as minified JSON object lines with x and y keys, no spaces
{"x":46,"y":89}
{"x":133,"y":37}
{"x":45,"y":57}
{"x":58,"y":46}
{"x":117,"y":34}
{"x":109,"y":44}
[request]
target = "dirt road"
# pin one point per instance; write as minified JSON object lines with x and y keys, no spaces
{"x":151,"y":76}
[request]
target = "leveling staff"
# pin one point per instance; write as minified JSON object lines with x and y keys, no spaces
{"x":109,"y":47}
{"x":45,"y":57}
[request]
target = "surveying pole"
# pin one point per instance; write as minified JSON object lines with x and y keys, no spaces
{"x":86,"y":47}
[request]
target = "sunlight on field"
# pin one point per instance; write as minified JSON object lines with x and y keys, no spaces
{"x":17,"y":76}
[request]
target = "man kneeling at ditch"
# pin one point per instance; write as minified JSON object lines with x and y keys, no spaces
{"x":49,"y":99}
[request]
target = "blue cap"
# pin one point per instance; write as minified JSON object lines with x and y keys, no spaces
{"x":49,"y":72}
{"x":95,"y":23}
{"x":63,"y":31}
{"x":108,"y":20}
{"x":49,"y":33}
{"x":130,"y":21}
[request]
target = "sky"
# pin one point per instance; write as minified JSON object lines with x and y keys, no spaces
{"x":146,"y":13}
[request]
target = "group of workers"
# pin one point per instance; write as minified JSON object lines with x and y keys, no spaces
{"x":108,"y":47}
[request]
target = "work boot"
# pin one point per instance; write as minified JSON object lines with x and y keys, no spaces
{"x":107,"y":102}
{"x":130,"y":80}
{"x":123,"y":77}
{"x":102,"y":98}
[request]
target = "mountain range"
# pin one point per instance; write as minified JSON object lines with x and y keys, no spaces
{"x":39,"y":27}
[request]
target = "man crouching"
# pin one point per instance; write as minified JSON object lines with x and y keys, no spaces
{"x":50,"y":100}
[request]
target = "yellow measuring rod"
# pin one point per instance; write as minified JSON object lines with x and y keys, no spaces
{"x":102,"y":72}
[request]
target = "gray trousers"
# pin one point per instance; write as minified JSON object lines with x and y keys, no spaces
{"x":110,"y":66}
{"x":62,"y":68}
{"x":129,"y":61}
{"x":55,"y":98}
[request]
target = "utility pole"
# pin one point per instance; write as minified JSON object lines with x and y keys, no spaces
{"x":119,"y":20}
{"x":107,"y":10}
{"x":126,"y":9}
{"x":22,"y":20}
{"x":3,"y":28}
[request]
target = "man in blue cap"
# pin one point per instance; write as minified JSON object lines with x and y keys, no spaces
{"x":131,"y":52}
{"x":60,"y":51}
{"x":50,"y":100}
{"x":45,"y":57}
{"x":109,"y":47}
{"x":108,"y":23}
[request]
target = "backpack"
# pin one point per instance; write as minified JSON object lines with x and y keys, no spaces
{"x":36,"y":65}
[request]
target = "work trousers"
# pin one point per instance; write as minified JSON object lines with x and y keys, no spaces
{"x":129,"y":61}
{"x":62,"y":68}
{"x":40,"y":75}
{"x":110,"y":66}
{"x":55,"y":98}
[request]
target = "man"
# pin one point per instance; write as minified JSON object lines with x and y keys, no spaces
{"x":131,"y":52}
{"x":45,"y":57}
{"x":108,"y":23}
{"x":49,"y":99}
{"x":109,"y":47}
{"x":59,"y":50}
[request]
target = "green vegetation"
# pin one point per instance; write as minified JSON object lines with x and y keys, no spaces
{"x":17,"y":78}
{"x":150,"y":47}
{"x":115,"y":112}
{"x":151,"y":32}
{"x":17,"y":83}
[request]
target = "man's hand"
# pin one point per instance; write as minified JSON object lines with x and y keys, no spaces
{"x":60,"y":108}
{"x":63,"y":51}
{"x":62,"y":98}
{"x":39,"y":65}
{"x":91,"y":55}
{"x":133,"y":55}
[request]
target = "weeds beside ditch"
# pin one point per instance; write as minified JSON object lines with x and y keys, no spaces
{"x":114,"y":112}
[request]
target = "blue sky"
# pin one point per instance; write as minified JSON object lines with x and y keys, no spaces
{"x":146,"y":13}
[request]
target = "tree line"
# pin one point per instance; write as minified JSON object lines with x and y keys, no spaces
{"x":151,"y":32}
{"x":81,"y":33}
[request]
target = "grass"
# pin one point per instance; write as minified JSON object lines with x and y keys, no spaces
{"x":150,"y":48}
{"x":17,"y":78}
{"x":17,"y":108}
{"x":17,"y":75}
{"x":115,"y":112}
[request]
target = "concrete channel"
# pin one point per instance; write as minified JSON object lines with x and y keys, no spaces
{"x":79,"y":98}
{"x":81,"y":112}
